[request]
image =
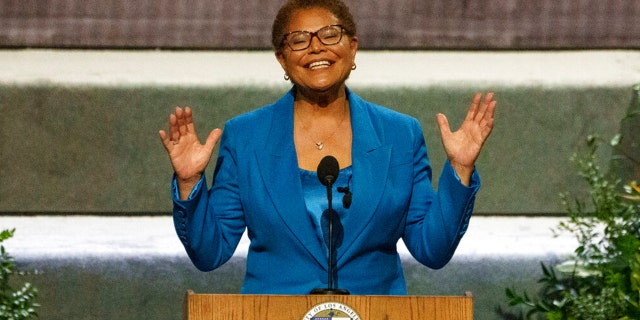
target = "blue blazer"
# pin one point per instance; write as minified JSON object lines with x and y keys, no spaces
{"x":257,"y":187}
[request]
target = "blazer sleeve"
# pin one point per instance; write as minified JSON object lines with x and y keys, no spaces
{"x":436,"y":221}
{"x":210,"y":224}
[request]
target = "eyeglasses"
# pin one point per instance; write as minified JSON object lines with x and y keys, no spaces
{"x":300,"y":40}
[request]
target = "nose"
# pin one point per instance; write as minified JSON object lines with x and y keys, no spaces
{"x":315,"y":44}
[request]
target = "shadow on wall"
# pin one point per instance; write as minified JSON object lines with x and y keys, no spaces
{"x":626,"y":155}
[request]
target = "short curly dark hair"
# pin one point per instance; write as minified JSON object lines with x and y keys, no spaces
{"x":336,"y":7}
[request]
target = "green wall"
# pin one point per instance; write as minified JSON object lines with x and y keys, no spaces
{"x":96,"y":149}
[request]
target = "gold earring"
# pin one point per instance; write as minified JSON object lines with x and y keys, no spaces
{"x":353,"y":67}
{"x":286,"y":77}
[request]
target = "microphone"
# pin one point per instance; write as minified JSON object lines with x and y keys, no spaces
{"x":328,"y":171}
{"x":348,"y":196}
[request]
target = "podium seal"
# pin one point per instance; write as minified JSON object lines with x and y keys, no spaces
{"x":331,"y":311}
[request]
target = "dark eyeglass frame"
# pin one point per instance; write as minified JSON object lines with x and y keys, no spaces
{"x":313,"y":34}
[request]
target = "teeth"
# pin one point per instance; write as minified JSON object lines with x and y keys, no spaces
{"x":319,"y":64}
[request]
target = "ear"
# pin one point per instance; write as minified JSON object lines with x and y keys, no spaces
{"x":353,"y":43}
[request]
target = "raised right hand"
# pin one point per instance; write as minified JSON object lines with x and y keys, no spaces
{"x":188,"y":156}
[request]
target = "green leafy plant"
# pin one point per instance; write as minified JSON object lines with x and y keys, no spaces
{"x":14,"y":304}
{"x":601,"y":280}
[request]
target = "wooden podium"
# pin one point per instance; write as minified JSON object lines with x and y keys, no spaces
{"x":302,"y":307}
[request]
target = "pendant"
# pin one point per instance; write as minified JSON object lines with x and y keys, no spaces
{"x":319,"y":145}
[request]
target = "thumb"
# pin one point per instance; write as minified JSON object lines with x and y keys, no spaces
{"x":165,"y":140}
{"x":213,"y":138}
{"x":443,"y":123}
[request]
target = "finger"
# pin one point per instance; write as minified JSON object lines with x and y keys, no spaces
{"x":489,"y":117}
{"x":473,"y":109}
{"x":488,"y":120}
{"x":174,"y":129}
{"x":213,"y":138}
{"x":491,"y":109}
{"x":488,"y":98}
{"x":482,"y":109}
{"x":487,"y":107}
{"x":182,"y":122}
{"x":443,"y":124}
{"x":188,"y":118}
{"x":165,"y":139}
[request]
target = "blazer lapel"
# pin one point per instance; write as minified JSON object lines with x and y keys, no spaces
{"x":370,"y":169}
{"x":279,"y":168}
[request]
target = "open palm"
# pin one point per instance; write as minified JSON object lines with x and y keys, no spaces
{"x":464,"y":145}
{"x":188,"y":156}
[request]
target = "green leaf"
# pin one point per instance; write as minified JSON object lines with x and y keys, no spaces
{"x":615,"y":141}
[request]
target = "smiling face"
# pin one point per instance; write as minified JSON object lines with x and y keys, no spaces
{"x":319,"y":67}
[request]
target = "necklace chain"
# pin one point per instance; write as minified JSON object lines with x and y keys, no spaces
{"x":319,"y":144}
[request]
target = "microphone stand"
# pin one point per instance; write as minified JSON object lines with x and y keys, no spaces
{"x":330,"y":289}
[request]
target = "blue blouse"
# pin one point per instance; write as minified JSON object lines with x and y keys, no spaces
{"x":315,"y":198}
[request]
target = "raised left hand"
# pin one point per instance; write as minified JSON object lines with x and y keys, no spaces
{"x":463,"y":146}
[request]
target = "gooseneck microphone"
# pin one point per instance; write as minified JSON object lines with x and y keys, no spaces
{"x":328,"y":171}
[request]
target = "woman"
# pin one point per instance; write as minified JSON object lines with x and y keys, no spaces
{"x":265,"y":179}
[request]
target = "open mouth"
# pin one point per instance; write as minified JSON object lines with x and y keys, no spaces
{"x":319,"y":65}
